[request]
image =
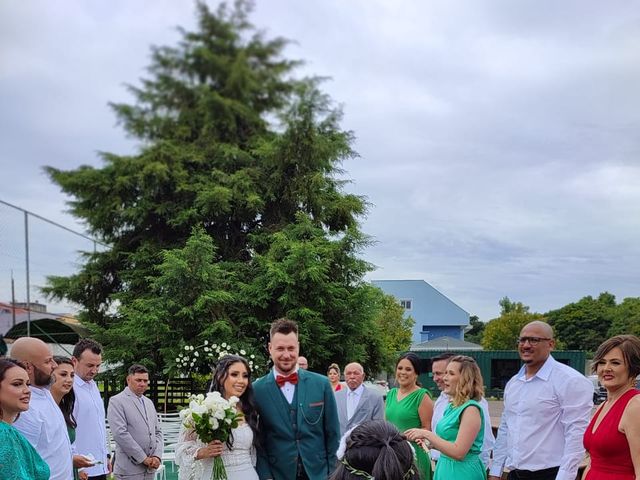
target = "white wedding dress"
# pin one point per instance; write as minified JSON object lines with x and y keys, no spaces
{"x":239,"y":462}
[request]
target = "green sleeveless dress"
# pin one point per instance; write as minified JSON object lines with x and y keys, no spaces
{"x":18,"y":459}
{"x":470,"y":467}
{"x":404,"y":415}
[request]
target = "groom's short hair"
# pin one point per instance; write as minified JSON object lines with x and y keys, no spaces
{"x":283,"y":326}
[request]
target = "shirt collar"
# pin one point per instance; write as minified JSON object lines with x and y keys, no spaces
{"x":276,"y":372}
{"x":358,"y":391}
{"x":543,"y":374}
{"x":80,"y":382}
{"x":39,"y":391}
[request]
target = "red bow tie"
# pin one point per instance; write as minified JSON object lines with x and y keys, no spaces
{"x":291,"y":378}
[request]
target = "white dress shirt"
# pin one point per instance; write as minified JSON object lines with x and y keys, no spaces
{"x":440,"y":405}
{"x":353,"y":399}
{"x":544,"y":420}
{"x":44,"y":426}
{"x":288,"y":389}
{"x":91,"y":432}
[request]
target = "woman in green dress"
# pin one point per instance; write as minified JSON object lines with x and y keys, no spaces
{"x":18,"y":459}
{"x":410,"y":406}
{"x":62,"y":392}
{"x":459,"y":433}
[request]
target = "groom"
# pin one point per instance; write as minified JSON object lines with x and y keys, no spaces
{"x":299,"y":428}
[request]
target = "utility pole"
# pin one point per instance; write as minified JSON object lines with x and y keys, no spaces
{"x":13,"y":300}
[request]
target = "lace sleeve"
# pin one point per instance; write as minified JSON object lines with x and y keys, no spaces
{"x":186,"y":449}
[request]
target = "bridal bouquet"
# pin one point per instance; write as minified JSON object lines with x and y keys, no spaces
{"x":212,"y":418}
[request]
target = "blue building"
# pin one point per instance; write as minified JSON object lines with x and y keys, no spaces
{"x":435,"y":315}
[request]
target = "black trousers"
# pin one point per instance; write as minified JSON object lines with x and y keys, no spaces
{"x":301,"y":474}
{"x":98,"y":477}
{"x":546,"y":474}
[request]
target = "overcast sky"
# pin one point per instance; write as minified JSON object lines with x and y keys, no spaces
{"x":498,"y":140}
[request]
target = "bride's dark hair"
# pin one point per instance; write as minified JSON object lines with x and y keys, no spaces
{"x":247,"y":402}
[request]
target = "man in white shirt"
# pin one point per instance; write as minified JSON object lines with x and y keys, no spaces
{"x":547,"y":406}
{"x":89,"y":412}
{"x":357,"y":403}
{"x":43,"y":424}
{"x":439,"y":368}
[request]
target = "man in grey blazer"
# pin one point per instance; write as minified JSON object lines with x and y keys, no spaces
{"x":357,"y":404}
{"x":135,"y":429}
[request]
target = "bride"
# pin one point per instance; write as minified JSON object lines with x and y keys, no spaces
{"x":232,"y":377}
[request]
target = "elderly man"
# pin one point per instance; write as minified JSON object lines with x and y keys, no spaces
{"x":439,"y":368}
{"x":43,"y":424}
{"x":91,"y":432}
{"x":135,"y":429}
{"x":303,"y":363}
{"x":357,"y":403}
{"x":547,"y":406}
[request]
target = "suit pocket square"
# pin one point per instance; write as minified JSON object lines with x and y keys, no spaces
{"x":316,"y":404}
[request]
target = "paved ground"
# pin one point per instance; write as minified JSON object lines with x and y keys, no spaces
{"x":495,"y":410}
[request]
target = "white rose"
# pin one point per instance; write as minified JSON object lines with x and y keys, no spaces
{"x":242,"y":352}
{"x":215,"y":394}
{"x":206,"y":342}
{"x":196,"y":354}
{"x":224,"y":345}
{"x":214,"y":423}
{"x":219,"y":414}
{"x":186,"y":347}
{"x":197,"y":408}
{"x":233,"y":400}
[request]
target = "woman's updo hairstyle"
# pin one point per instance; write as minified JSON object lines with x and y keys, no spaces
{"x":376,"y":450}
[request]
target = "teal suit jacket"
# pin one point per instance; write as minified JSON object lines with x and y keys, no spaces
{"x":317,"y":434}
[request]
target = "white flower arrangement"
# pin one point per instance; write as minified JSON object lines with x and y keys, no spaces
{"x":212,"y":417}
{"x":202,"y":357}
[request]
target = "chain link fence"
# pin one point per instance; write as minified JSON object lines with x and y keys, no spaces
{"x":33,"y":248}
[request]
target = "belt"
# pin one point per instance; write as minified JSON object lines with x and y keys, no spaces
{"x":535,"y":473}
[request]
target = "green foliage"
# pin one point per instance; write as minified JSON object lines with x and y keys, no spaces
{"x":475,"y":333}
{"x":507,"y":306}
{"x":626,"y":318}
{"x":392,"y":329}
{"x":230,"y":215}
{"x":585,"y":324}
{"x":501,"y":333}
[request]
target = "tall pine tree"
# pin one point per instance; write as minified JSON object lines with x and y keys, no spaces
{"x":232,"y":212}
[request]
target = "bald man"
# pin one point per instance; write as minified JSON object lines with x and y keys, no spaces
{"x":357,"y":403}
{"x":547,"y":406}
{"x":43,"y":424}
{"x":302,"y":362}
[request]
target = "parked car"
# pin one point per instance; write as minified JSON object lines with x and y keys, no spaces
{"x":599,"y":392}
{"x":379,"y":386}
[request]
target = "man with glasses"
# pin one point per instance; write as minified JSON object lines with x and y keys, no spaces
{"x":547,"y":406}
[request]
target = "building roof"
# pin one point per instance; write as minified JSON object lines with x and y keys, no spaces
{"x":444,"y":343}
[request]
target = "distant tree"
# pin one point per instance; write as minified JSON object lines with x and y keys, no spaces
{"x":476,"y":331}
{"x":231,"y":213}
{"x":394,"y":330}
{"x":507,"y":306}
{"x":626,"y":318}
{"x":501,"y":333}
{"x":583,"y":325}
